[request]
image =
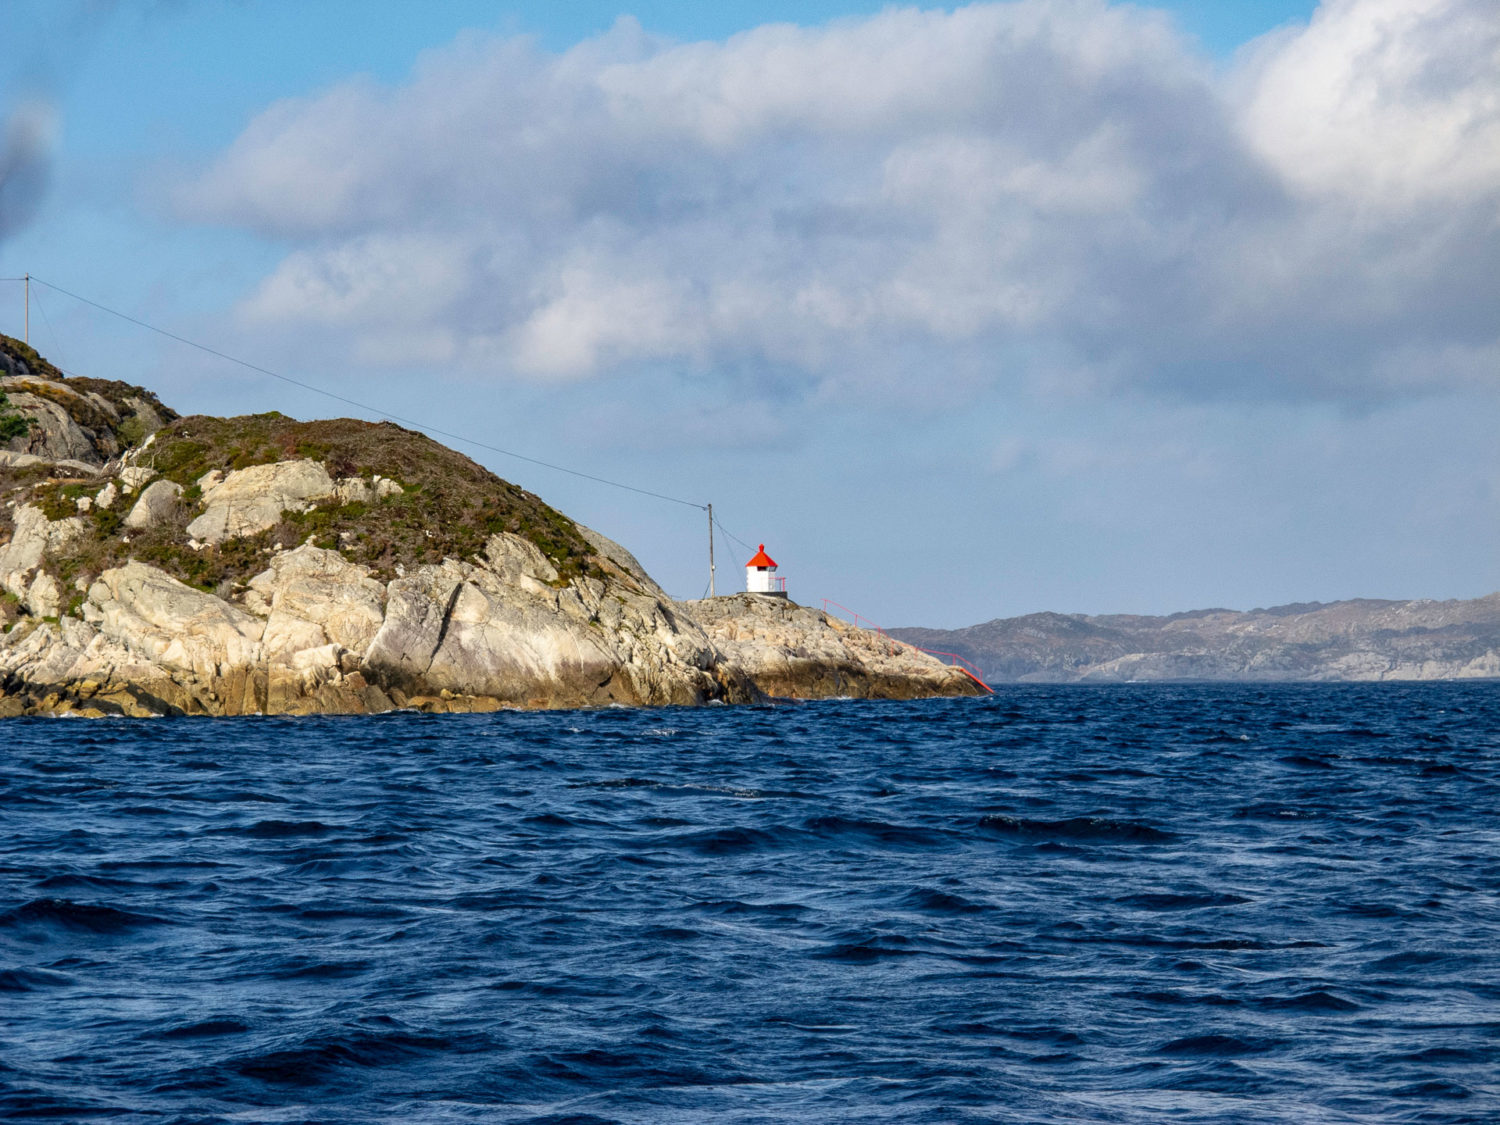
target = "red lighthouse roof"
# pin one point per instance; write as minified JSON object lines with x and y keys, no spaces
{"x":761,"y":558}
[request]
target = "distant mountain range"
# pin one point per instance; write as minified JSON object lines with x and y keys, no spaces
{"x":1361,"y":639}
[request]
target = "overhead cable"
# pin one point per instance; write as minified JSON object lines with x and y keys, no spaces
{"x":56,"y":343}
{"x":425,"y":428}
{"x":736,"y":538}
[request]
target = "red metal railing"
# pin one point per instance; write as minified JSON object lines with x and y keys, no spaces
{"x":958,"y":661}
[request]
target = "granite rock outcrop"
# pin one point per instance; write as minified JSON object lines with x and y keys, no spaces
{"x":79,"y":420}
{"x":798,"y":652}
{"x":314,"y":632}
{"x":262,"y":565}
{"x":253,"y":499}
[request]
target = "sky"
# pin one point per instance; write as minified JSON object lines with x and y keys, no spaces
{"x":965,"y":312}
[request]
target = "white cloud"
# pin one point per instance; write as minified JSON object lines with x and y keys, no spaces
{"x":1392,"y":102}
{"x":592,"y":315}
{"x":918,"y":195}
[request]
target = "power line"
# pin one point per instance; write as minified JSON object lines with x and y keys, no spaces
{"x":736,"y":538}
{"x":56,"y":343}
{"x":362,"y":405}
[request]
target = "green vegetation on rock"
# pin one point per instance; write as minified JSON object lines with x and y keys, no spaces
{"x":113,"y":416}
{"x":449,"y":505}
{"x":11,"y":425}
{"x":117,"y":496}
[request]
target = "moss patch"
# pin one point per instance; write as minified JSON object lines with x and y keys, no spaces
{"x":58,"y":499}
{"x":119,"y":395}
{"x":12,"y":425}
{"x":449,"y":506}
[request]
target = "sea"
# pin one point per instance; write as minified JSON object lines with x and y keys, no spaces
{"x":1129,"y":903}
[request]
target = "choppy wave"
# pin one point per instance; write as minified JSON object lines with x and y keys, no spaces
{"x":1124,"y":904}
{"x":60,"y":914}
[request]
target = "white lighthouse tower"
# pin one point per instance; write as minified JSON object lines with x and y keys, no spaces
{"x":760,"y":575}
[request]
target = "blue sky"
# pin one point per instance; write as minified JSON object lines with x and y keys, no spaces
{"x":965,"y":312}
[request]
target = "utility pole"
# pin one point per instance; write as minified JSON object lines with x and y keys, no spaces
{"x":27,"y":279}
{"x":711,"y":592}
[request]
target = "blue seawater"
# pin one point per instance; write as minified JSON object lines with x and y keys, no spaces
{"x":1062,"y":904}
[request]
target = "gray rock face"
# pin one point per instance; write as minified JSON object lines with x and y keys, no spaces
{"x":501,"y":630}
{"x":21,"y":559}
{"x":791,"y":650}
{"x":133,"y":477}
{"x":44,"y":596}
{"x":10,"y":459}
{"x":28,"y":542}
{"x":352,"y":490}
{"x":622,"y":559}
{"x":86,"y":625}
{"x":172,"y":625}
{"x":312,"y":597}
{"x":56,"y":436}
{"x":158,"y":500}
{"x":314,"y":631}
{"x":149,"y":417}
{"x":251,"y":500}
{"x":1354,"y":640}
{"x":88,"y":421}
{"x":317,"y":633}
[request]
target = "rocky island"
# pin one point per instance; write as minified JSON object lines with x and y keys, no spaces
{"x":154,"y":564}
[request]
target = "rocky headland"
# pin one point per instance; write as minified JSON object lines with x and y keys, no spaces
{"x":153,"y":564}
{"x":1362,"y":639}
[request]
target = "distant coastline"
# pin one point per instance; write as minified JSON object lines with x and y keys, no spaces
{"x":1359,"y":640}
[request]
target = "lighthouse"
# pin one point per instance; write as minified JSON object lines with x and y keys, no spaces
{"x":760,"y":575}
